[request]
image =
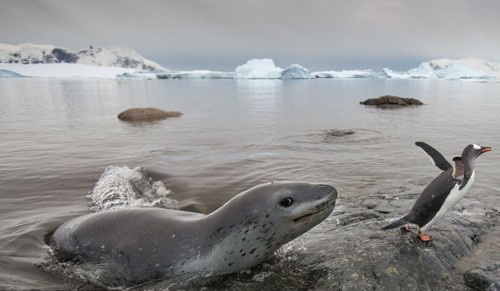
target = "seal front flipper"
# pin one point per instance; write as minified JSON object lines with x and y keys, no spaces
{"x":436,"y":157}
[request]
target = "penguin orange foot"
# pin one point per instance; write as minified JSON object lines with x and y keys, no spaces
{"x":424,"y":237}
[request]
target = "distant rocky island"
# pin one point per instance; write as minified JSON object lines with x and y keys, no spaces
{"x":50,"y":54}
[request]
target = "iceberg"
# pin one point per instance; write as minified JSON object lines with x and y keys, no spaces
{"x":448,"y":69}
{"x":137,"y":75}
{"x":9,"y":74}
{"x":295,"y":72}
{"x":463,"y":71}
{"x":388,"y":74}
{"x":468,"y":65}
{"x":258,"y":69}
{"x":424,"y":70}
{"x":266,"y":69}
{"x":196,"y":74}
{"x":347,"y":74}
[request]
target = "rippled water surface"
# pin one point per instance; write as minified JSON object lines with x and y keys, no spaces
{"x":58,"y":136}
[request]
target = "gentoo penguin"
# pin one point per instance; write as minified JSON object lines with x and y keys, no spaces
{"x":444,"y":191}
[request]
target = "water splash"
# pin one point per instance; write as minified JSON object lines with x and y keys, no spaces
{"x":121,"y":187}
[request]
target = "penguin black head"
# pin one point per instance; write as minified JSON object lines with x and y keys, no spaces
{"x":473,"y":151}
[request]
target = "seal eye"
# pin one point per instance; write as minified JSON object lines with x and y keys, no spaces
{"x":287,"y":202}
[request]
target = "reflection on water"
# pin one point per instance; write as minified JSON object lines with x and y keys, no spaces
{"x":58,"y":136}
{"x":259,"y":95}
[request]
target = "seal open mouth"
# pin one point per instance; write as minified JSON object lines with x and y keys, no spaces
{"x":327,"y":207}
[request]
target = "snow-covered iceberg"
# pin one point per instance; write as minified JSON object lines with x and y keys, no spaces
{"x":295,"y":72}
{"x":465,"y":68}
{"x":258,"y":69}
{"x":266,"y":69}
{"x":449,"y":69}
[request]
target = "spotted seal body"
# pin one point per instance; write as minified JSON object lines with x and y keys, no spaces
{"x":140,"y":244}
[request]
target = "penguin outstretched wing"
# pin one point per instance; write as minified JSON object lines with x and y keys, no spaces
{"x":436,"y":157}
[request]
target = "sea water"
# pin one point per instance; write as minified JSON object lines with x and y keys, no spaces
{"x":58,"y":136}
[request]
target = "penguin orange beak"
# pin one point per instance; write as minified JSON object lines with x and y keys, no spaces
{"x":485,"y":149}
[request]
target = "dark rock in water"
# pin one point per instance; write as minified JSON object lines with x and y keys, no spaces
{"x":338,"y":132}
{"x":146,"y":114}
{"x":334,"y":135}
{"x":391,"y":101}
{"x":348,"y":251}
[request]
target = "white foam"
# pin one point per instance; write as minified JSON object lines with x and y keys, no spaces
{"x":120,"y":187}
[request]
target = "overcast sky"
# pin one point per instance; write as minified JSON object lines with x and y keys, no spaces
{"x":221,"y":34}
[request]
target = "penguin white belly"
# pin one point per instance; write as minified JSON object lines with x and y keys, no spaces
{"x":453,"y":197}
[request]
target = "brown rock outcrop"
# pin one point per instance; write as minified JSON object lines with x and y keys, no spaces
{"x":146,"y":114}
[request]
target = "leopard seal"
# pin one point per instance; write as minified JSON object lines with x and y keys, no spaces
{"x":136,"y":245}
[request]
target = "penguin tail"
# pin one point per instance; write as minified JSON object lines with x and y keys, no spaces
{"x":395,"y":224}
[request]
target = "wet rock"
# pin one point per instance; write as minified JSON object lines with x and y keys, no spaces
{"x":338,"y":132}
{"x":392,"y":260}
{"x":495,"y":286}
{"x":389,"y":101}
{"x":477,"y":279}
{"x":146,"y":114}
{"x":481,"y":270}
